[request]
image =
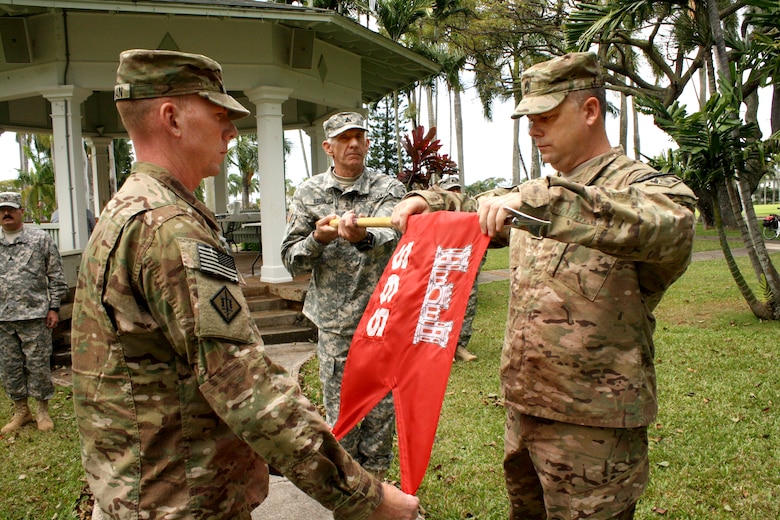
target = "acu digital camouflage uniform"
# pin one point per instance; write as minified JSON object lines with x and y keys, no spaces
{"x":32,"y":282}
{"x":178,"y":407}
{"x":343,"y":279}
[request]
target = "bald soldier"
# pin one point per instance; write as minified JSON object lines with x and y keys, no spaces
{"x":577,"y":369}
{"x":178,"y":408}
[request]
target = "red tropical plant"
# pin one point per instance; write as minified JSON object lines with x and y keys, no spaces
{"x":428,"y":166}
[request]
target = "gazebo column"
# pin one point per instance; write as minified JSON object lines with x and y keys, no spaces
{"x":320,"y":161}
{"x":270,"y":150}
{"x":69,"y":171}
{"x":103,"y":170}
{"x":215,"y":190}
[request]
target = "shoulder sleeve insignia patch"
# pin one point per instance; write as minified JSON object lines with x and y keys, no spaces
{"x":664,"y":180}
{"x":217,"y":263}
{"x":226,"y":304}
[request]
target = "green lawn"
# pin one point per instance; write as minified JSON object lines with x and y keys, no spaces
{"x":714,"y":448}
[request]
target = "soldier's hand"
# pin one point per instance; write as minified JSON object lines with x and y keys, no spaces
{"x":324,"y":232}
{"x":52,"y":319}
{"x":492,"y":214}
{"x":408,"y":206}
{"x":348,"y":228}
{"x":396,"y":505}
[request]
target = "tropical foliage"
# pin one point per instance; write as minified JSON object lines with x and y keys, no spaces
{"x":427,"y":165}
{"x":37,"y":182}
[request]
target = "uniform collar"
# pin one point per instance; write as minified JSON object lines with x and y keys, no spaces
{"x":177,"y":187}
{"x":587,"y":172}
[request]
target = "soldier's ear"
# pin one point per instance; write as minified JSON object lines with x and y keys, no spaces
{"x":169,"y":113}
{"x":592,"y":110}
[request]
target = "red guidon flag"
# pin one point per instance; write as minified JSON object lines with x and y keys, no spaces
{"x":406,"y":339}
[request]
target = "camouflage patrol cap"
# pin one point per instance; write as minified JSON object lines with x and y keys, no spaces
{"x":145,"y":74}
{"x":546,"y":84}
{"x":450,"y":182}
{"x":11,"y":199}
{"x":342,"y":122}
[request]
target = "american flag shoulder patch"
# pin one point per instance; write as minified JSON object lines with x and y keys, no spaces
{"x":217,"y":263}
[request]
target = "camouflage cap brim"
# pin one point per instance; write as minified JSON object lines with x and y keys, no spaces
{"x":345,"y":128}
{"x":532,"y":105}
{"x":235,"y":109}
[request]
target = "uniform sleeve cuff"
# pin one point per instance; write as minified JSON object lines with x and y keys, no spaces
{"x":363,"y":502}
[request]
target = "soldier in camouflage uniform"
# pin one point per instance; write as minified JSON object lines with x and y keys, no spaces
{"x":577,"y":368}
{"x":346,"y":262}
{"x":179,"y":410}
{"x":32,"y":285}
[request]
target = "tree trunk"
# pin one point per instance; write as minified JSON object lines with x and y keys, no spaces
{"x":623,"y":118}
{"x":431,"y":106}
{"x":758,"y":309}
{"x":637,"y":137}
{"x":458,"y":109}
{"x":397,"y":133}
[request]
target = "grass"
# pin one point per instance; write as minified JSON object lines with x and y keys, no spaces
{"x":714,"y":447}
{"x":41,"y":475}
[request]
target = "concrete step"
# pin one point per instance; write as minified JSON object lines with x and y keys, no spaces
{"x":279,"y":318}
{"x":275,"y":308}
{"x":264,"y":302}
{"x":291,"y":334}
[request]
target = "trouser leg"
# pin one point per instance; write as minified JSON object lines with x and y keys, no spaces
{"x":526,"y":496}
{"x":371,"y":441}
{"x":12,"y":372}
{"x":585,"y":472}
{"x":36,"y":347}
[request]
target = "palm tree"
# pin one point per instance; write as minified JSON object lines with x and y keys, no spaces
{"x":713,"y":144}
{"x":395,"y":18}
{"x":451,"y":63}
{"x":243,"y":155}
{"x":37,"y":183}
{"x":500,"y":42}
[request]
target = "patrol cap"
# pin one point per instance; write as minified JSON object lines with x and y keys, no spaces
{"x":342,"y":122}
{"x":10,"y":198}
{"x":146,"y":74}
{"x":545,"y":85}
{"x":450,"y":182}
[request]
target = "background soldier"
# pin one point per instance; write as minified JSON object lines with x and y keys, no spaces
{"x":32,"y":284}
{"x":346,"y":263}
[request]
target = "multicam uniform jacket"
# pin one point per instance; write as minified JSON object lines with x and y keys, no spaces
{"x":31,"y":276}
{"x":579,"y":338}
{"x":178,"y":408}
{"x":343,"y":278}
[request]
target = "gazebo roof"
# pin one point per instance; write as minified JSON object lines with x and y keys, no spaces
{"x":328,"y":61}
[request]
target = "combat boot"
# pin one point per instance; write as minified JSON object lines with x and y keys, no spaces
{"x":42,"y":417}
{"x":21,"y":417}
{"x":461,"y":354}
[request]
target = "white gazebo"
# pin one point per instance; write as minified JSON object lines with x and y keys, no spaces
{"x":291,"y":66}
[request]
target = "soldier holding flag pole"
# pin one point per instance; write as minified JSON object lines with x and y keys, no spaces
{"x":577,"y":371}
